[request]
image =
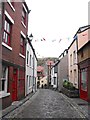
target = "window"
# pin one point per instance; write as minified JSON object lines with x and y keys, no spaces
{"x":22,"y":45}
{"x":27,"y":57}
{"x":29,"y":80}
{"x":75,"y":77}
{"x":71,"y":60}
{"x":11,"y":2}
{"x":71,"y":75}
{"x":74,"y":57}
{"x":30,"y":59}
{"x":54,"y":81}
{"x":4,"y":78}
{"x":82,"y":54}
{"x":84,"y":79}
{"x":7,"y":32}
{"x":24,"y":16}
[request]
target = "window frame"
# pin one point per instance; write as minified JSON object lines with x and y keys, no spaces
{"x":74,"y":57}
{"x":6,"y":32}
{"x":27,"y":57}
{"x":29,"y":81}
{"x":30,"y":59}
{"x":22,"y":45}
{"x":23,"y":16}
{"x":84,"y":79}
{"x":5,"y":79}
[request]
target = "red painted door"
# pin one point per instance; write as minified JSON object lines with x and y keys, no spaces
{"x":83,"y":84}
{"x":14,"y":85}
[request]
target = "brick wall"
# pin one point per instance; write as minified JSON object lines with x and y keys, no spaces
{"x":17,"y":27}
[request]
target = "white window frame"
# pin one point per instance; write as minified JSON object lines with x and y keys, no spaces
{"x":7,"y":46}
{"x":27,"y":57}
{"x":30,"y":60}
{"x":23,"y":34}
{"x":6,"y":79}
{"x":3,"y":93}
{"x":24,"y":7}
{"x":9,"y":17}
{"x":11,"y":5}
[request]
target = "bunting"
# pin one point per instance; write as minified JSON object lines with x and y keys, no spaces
{"x":60,"y":40}
{"x":43,"y":39}
{"x":53,"y":40}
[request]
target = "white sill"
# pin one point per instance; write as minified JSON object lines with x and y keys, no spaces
{"x":23,"y":24}
{"x":5,"y":45}
{"x":4,"y":94}
{"x":11,"y":6}
{"x":21,"y":55}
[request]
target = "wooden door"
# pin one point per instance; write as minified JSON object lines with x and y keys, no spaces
{"x":14,"y":84}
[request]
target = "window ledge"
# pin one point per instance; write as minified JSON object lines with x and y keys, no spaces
{"x":11,"y":5}
{"x":5,"y":45}
{"x":21,"y":55}
{"x":23,"y":24}
{"x":4,"y":94}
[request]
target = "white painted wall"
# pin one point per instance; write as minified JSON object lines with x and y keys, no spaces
{"x":29,"y":70}
{"x":73,"y":67}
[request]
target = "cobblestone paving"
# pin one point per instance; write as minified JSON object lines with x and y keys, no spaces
{"x":46,"y":104}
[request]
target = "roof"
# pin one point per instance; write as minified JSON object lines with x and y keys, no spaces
{"x":81,"y":29}
{"x":66,"y":50}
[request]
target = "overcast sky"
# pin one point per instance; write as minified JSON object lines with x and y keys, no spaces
{"x":56,"y":21}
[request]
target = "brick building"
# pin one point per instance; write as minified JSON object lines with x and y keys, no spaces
{"x":14,"y":32}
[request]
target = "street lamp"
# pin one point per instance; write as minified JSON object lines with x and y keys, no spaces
{"x":31,"y":37}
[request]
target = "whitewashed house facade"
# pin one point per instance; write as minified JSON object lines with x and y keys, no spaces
{"x":31,"y":68}
{"x":54,"y":75}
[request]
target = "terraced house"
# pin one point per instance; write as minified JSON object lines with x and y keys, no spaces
{"x":84,"y":61}
{"x":31,"y":69}
{"x":14,"y":31}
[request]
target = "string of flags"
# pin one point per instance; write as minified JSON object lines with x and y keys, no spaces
{"x":43,"y":40}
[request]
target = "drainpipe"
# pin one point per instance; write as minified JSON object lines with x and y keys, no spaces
{"x":1,"y":12}
{"x":1,"y":31}
{"x":78,"y":66}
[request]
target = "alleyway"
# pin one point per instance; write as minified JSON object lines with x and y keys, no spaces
{"x":47,"y":104}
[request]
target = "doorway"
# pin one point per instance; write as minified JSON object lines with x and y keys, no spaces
{"x":14,"y":84}
{"x":83,"y":84}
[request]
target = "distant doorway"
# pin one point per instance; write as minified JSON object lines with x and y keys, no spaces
{"x":42,"y":86}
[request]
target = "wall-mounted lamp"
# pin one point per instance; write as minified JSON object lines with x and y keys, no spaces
{"x":31,"y":37}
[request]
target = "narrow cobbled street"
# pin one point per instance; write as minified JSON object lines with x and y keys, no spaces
{"x":46,"y":104}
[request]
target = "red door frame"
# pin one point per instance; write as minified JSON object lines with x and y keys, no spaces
{"x":14,"y":84}
{"x":83,"y":94}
